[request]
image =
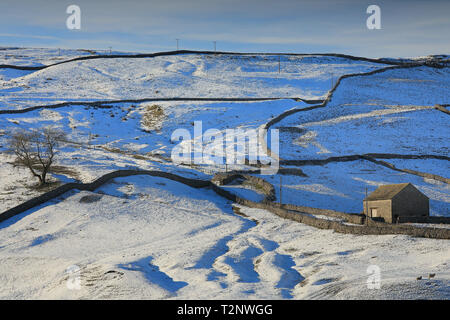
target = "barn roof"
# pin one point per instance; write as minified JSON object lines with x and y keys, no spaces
{"x":387,"y":192}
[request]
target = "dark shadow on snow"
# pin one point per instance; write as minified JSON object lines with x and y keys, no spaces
{"x":153,"y":274}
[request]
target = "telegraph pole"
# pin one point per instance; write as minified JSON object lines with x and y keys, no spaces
{"x":367,"y":210}
{"x":177,"y":44}
{"x":279,"y":64}
{"x":281,"y":187}
{"x":214,"y":46}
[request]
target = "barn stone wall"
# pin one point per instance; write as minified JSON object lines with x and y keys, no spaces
{"x":384,"y":208}
{"x":410,"y":202}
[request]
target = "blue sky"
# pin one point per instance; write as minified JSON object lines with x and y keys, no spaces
{"x":409,"y":27}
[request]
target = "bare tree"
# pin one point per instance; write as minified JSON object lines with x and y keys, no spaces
{"x":36,"y":150}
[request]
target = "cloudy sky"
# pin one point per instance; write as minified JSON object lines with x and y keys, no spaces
{"x":408,"y":27}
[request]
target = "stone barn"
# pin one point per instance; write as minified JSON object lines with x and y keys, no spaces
{"x":396,"y":200}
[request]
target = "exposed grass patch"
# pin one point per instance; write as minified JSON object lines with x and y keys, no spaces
{"x":55,"y":169}
{"x":48,"y":186}
{"x":65,"y":171}
{"x":152,"y":118}
{"x":91,"y":198}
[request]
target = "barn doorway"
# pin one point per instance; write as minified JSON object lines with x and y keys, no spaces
{"x":374,"y":212}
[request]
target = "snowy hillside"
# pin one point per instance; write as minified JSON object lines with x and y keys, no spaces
{"x":35,"y":57}
{"x":145,"y":237}
{"x":188,"y":75}
{"x":130,"y":239}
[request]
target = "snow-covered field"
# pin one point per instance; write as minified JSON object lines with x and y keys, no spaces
{"x":389,"y":112}
{"x":124,"y":125}
{"x":188,"y":75}
{"x":342,"y":186}
{"x":130,"y":239}
{"x":36,"y":57}
{"x":147,"y":237}
{"x":365,"y":129}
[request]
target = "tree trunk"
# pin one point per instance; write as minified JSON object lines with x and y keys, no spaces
{"x":43,"y":177}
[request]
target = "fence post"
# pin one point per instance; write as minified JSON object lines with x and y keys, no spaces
{"x":281,"y":187}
